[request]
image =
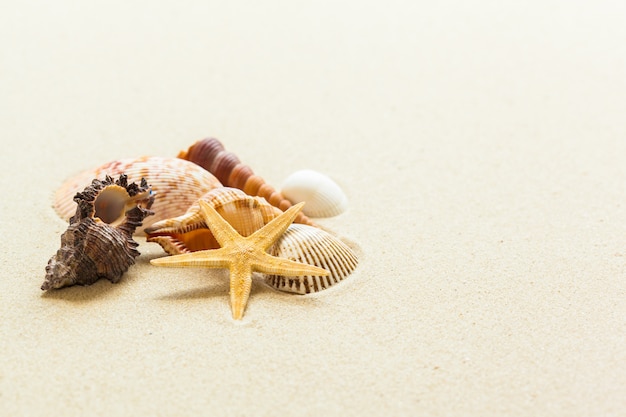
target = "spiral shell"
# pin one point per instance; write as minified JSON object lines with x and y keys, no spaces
{"x":178,"y":184}
{"x":316,"y":247}
{"x":190,"y":233}
{"x":210,"y":154}
{"x":323,"y":197}
{"x":91,"y":248}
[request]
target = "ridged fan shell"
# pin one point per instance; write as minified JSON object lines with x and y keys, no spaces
{"x":189,"y":232}
{"x":316,"y":247}
{"x":210,"y":154}
{"x":177,"y":183}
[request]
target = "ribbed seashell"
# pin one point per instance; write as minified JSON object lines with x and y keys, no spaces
{"x":210,"y":154}
{"x":190,"y":233}
{"x":316,"y":247}
{"x":91,"y":248}
{"x":178,"y":184}
{"x":323,"y":197}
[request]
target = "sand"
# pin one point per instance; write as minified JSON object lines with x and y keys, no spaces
{"x":482,"y":150}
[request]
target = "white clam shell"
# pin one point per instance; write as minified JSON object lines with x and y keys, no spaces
{"x":312,"y":246}
{"x":323,"y":197}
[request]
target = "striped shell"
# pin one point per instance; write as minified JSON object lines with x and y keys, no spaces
{"x":91,"y":248}
{"x":177,"y":183}
{"x":316,"y":247}
{"x":189,"y":232}
{"x":210,"y":154}
{"x":323,"y":197}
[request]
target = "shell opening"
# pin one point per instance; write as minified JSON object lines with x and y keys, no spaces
{"x":189,"y":241}
{"x":113,"y":201}
{"x":110,"y":204}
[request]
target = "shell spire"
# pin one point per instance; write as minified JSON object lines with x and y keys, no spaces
{"x":210,"y":154}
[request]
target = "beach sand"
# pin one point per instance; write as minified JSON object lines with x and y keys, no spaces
{"x":481,"y":147}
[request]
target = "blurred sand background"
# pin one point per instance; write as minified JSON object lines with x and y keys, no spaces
{"x":482,"y":147}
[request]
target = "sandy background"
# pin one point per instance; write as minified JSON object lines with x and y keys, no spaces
{"x":482,"y":147}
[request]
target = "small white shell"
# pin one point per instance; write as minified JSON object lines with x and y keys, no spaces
{"x":312,"y":246}
{"x":323,"y":197}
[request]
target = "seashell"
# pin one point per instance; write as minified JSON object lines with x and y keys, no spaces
{"x":210,"y":154}
{"x":178,"y":184}
{"x":323,"y":197}
{"x":190,"y":233}
{"x":91,"y":248}
{"x":316,"y":247}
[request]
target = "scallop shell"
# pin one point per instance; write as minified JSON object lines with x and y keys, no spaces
{"x":178,"y":184}
{"x":91,"y":248}
{"x":316,"y":247}
{"x":189,"y":232}
{"x":323,"y":197}
{"x":210,"y":154}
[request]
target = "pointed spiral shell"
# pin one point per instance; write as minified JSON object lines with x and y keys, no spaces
{"x":210,"y":154}
{"x":177,"y":183}
{"x":316,"y":247}
{"x":190,"y":233}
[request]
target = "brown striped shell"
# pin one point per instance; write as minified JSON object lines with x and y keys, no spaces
{"x":91,"y":248}
{"x":316,"y":247}
{"x":210,"y":154}
{"x":190,"y":233}
{"x":178,"y":184}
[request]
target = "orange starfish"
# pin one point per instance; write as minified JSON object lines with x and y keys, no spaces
{"x":243,"y":255}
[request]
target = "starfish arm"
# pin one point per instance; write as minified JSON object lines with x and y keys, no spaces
{"x":220,"y":228}
{"x":212,"y":258}
{"x":240,"y":284}
{"x":281,"y":266}
{"x":268,"y":234}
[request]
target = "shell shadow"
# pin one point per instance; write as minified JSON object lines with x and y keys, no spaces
{"x":86,"y":293}
{"x":214,"y":291}
{"x":217,"y":289}
{"x":221,"y":290}
{"x":203,"y":284}
{"x":100,"y":289}
{"x":260,"y":287}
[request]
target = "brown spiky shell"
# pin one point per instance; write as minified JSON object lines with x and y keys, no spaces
{"x":91,"y":248}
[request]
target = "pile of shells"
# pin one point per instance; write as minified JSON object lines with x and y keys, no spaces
{"x":99,"y":244}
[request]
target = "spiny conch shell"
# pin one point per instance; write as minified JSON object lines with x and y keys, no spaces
{"x":190,"y":233}
{"x":90,"y":247}
{"x":178,"y":184}
{"x":323,"y":197}
{"x":316,"y":247}
{"x":210,"y":154}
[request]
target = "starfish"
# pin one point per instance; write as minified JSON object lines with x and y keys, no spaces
{"x":243,"y":255}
